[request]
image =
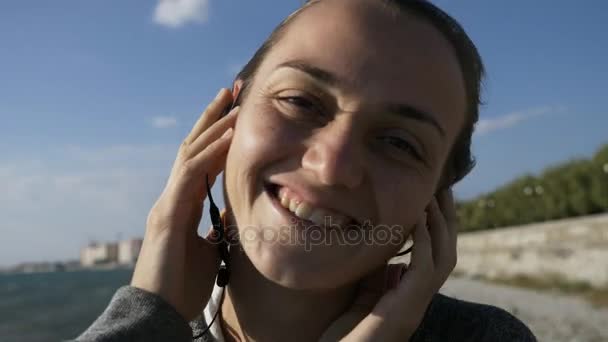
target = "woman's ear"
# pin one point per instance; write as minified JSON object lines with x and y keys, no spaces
{"x":236,"y":88}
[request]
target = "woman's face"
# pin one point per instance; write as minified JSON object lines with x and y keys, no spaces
{"x":352,"y":114}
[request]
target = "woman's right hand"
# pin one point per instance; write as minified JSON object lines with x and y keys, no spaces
{"x":175,"y":262}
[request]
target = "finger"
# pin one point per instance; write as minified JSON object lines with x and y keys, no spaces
{"x":189,"y":173}
{"x":213,"y":170}
{"x":416,"y":281}
{"x":217,"y":166}
{"x":437,"y":231}
{"x":444,"y":246}
{"x":448,"y":208}
{"x":212,"y":133}
{"x":422,"y":257}
{"x":210,"y":114}
{"x":211,"y":158}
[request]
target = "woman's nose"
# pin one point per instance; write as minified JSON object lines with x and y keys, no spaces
{"x":334,"y":157}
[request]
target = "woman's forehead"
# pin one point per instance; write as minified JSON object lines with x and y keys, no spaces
{"x":374,"y":54}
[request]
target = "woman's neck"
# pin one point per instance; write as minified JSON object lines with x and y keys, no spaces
{"x":256,"y":309}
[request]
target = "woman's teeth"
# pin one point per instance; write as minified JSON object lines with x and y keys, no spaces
{"x":306,"y":211}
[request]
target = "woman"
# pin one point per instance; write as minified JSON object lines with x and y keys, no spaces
{"x":353,"y":119}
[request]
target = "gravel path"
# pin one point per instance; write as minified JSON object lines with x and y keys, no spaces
{"x":552,"y":317}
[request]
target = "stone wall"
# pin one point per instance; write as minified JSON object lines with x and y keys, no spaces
{"x":572,"y":250}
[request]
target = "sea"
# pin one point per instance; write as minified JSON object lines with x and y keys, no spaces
{"x":55,"y":306}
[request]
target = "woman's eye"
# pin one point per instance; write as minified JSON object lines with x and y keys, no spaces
{"x":403,"y":145}
{"x":300,"y":103}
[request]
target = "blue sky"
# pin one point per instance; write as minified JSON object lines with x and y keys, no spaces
{"x":95,"y":97}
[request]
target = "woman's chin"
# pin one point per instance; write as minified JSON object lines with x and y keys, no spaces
{"x":294,"y":267}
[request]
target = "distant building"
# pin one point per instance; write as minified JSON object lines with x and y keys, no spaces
{"x":99,"y":253}
{"x":35,"y":267}
{"x":123,"y":252}
{"x":128,"y":251}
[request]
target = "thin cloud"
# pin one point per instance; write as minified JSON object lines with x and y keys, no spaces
{"x":53,"y":205}
{"x":75,"y":199}
{"x":164,"y":122}
{"x":176,"y":13}
{"x":486,"y":126}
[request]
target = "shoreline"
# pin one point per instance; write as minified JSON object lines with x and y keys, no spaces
{"x":62,"y":268}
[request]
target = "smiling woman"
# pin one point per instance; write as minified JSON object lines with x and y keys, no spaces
{"x":352,"y":122}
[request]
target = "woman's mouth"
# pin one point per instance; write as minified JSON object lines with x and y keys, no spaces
{"x":299,"y":211}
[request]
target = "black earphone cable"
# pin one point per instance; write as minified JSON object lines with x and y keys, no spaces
{"x":224,"y":272}
{"x":219,"y":308}
{"x":405,"y":251}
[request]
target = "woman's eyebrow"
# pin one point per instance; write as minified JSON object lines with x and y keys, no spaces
{"x":317,"y":73}
{"x":409,"y":112}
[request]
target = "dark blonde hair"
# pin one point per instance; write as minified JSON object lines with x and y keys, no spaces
{"x":460,"y":161}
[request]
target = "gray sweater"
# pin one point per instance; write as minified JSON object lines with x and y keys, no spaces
{"x":137,"y":315}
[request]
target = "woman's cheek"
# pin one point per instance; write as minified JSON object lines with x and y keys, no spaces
{"x":403,"y":202}
{"x":276,"y":141}
{"x":251,"y":136}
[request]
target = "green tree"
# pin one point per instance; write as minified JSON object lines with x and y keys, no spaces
{"x":599,"y":179}
{"x":573,"y":188}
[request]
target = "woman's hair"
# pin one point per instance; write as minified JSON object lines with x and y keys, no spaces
{"x":460,"y":160}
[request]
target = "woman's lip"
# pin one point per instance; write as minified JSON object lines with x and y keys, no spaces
{"x":272,"y":189}
{"x":292,"y":218}
{"x":286,"y":214}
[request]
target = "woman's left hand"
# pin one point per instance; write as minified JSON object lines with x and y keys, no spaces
{"x":390,"y":305}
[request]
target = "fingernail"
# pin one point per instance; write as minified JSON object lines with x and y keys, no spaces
{"x":235,"y":109}
{"x":228,"y":133}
